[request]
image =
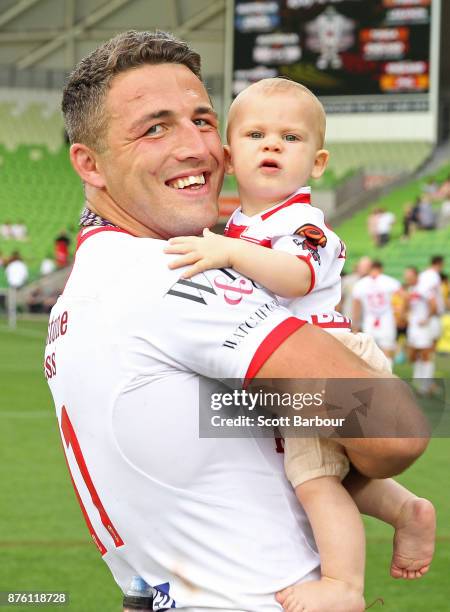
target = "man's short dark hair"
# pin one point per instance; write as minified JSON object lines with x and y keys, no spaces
{"x":377,"y":265}
{"x":83,"y":102}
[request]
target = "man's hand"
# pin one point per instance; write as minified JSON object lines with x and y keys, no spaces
{"x":211,"y":251}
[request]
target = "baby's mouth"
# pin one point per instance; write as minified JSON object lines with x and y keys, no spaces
{"x":269,"y":163}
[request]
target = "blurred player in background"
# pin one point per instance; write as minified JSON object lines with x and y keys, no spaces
{"x":373,"y":312}
{"x":421,"y":309}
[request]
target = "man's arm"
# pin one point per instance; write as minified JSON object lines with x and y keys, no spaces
{"x":312,"y":354}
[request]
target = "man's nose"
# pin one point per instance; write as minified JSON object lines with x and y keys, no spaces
{"x":191,"y":143}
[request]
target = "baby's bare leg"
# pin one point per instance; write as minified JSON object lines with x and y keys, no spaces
{"x":339,"y":534}
{"x":413,"y":518}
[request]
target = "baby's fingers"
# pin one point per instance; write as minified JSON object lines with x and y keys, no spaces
{"x":199,"y":266}
{"x":181,"y":248}
{"x":185,"y":260}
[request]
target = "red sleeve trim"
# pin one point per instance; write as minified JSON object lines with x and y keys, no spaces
{"x":270,"y":344}
{"x":307,"y":260}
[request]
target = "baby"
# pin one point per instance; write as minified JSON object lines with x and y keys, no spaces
{"x":276,"y":131}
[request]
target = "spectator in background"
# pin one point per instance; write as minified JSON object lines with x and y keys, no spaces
{"x":62,"y":242}
{"x":385,"y":221}
{"x":5,"y":230}
{"x":425,"y":214}
{"x":19,"y":231}
{"x":430,"y":188}
{"x":443,"y":193}
{"x":35,"y":301}
{"x":444,"y":213}
{"x":16,"y":271}
{"x":410,"y":218}
{"x":47,"y":266}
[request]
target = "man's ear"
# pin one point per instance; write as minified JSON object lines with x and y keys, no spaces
{"x":320,"y":163}
{"x":227,"y":160}
{"x":85,"y":163}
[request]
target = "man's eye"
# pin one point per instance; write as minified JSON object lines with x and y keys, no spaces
{"x":201,"y":122}
{"x":255,"y":135}
{"x":154,"y":130}
{"x":290,"y":137}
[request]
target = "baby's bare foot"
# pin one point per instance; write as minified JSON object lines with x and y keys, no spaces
{"x":414,"y":539}
{"x":325,"y":595}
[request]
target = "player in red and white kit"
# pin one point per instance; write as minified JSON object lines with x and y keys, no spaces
{"x":174,"y":521}
{"x":430,"y":282}
{"x":211,"y":524}
{"x":372,"y":308}
{"x":275,"y":132}
{"x":422,"y":307}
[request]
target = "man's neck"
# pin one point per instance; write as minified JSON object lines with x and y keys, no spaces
{"x":101,"y":203}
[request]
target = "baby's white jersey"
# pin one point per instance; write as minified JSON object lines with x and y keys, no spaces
{"x":210,"y":523}
{"x":375,"y":295}
{"x":296,"y":227}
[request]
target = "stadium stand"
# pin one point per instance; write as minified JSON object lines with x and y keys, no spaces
{"x":387,"y":158}
{"x":398,"y":254}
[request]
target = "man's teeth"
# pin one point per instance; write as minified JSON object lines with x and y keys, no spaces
{"x":186,"y":181}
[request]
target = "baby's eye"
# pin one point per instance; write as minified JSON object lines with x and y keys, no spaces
{"x":255,"y":135}
{"x":290,"y":137}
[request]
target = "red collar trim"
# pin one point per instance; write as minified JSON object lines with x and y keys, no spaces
{"x":82,"y":237}
{"x":298,"y":198}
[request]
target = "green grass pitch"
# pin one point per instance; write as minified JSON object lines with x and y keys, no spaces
{"x":45,"y":545}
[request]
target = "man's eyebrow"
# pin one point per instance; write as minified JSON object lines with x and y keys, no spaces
{"x":205,"y":110}
{"x":161,"y":114}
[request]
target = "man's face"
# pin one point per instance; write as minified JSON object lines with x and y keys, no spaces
{"x":274,"y":145}
{"x":161,"y":136}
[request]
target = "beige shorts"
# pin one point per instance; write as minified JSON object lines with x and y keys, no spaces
{"x":308,"y":458}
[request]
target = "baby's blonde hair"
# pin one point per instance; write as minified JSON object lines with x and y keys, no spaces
{"x":280,"y":85}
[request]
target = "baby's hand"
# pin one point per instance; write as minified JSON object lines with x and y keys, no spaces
{"x":211,"y":251}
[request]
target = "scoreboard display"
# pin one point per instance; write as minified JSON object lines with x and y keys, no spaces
{"x":356,"y":55}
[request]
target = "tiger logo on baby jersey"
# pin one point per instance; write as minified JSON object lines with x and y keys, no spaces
{"x":312,"y":234}
{"x":314,"y":238}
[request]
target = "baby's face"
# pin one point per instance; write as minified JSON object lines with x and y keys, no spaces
{"x":274,"y":145}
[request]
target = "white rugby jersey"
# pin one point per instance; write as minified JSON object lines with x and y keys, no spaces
{"x":418,"y":304}
{"x":211,"y":523}
{"x":430,"y":281}
{"x":375,"y":294}
{"x":296,"y":227}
